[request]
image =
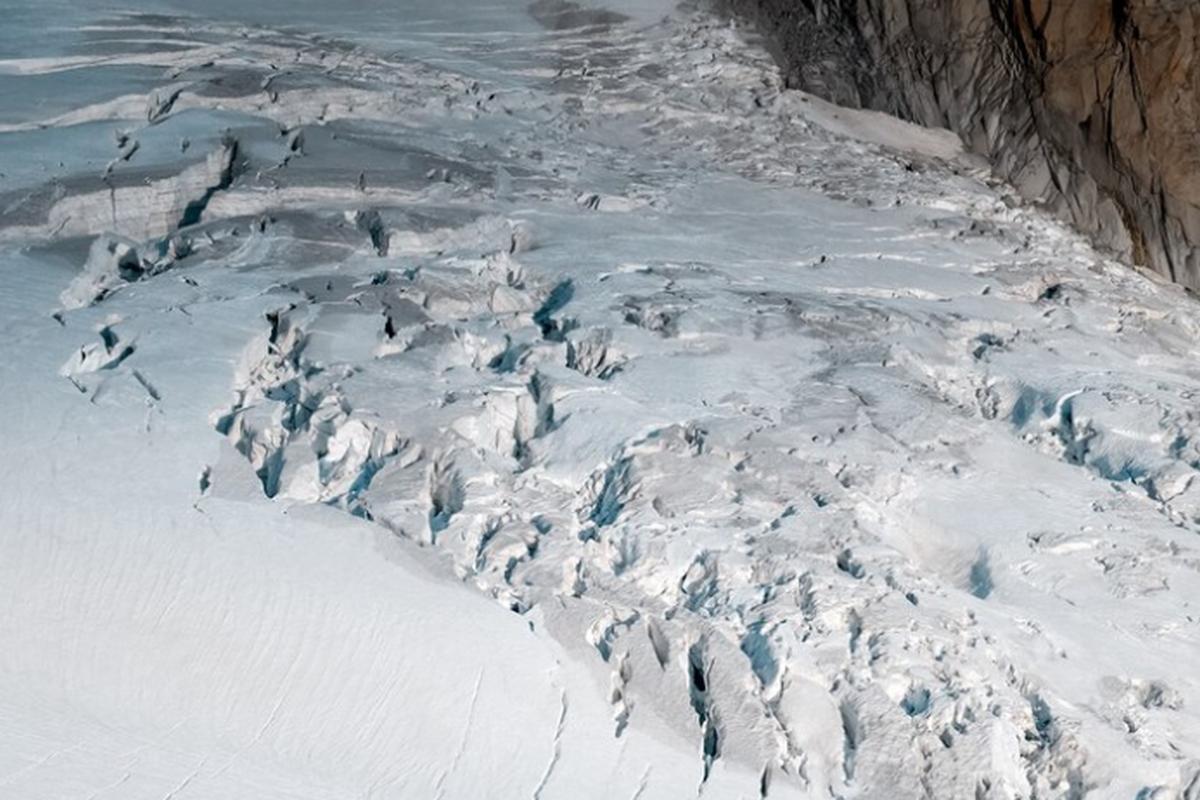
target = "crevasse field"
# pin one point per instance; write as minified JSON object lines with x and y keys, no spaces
{"x":452,"y":400}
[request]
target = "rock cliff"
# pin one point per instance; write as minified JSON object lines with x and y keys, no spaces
{"x":1090,"y":106}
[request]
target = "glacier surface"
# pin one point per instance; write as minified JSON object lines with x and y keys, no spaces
{"x":444,"y":400}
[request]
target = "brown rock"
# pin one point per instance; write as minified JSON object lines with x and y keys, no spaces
{"x":1089,"y":106}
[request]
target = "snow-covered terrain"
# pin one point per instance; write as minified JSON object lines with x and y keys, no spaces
{"x":456,"y":401}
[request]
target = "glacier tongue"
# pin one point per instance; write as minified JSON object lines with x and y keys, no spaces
{"x":780,"y":451}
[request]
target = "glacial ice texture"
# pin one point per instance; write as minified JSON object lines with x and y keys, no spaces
{"x":451,"y":403}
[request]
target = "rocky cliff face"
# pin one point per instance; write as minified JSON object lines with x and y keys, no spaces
{"x":1091,"y":106}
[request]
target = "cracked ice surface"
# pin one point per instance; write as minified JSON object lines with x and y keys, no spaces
{"x":543,"y":403}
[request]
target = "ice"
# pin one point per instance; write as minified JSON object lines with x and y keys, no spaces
{"x":543,"y":402}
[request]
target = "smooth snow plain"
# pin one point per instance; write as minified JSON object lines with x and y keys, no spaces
{"x":418,"y":400}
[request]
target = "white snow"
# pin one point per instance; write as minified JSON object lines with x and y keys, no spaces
{"x":436,"y":410}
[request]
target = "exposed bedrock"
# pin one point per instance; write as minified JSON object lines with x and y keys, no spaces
{"x":1090,"y":106}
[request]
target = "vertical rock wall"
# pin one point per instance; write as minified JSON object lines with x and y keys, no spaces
{"x":1090,"y":106}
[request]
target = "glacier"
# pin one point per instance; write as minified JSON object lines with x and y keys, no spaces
{"x":448,"y":400}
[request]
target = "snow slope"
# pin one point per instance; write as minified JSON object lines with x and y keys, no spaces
{"x":549,"y":405}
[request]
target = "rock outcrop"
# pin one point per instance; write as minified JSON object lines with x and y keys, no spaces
{"x":1090,"y":106}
